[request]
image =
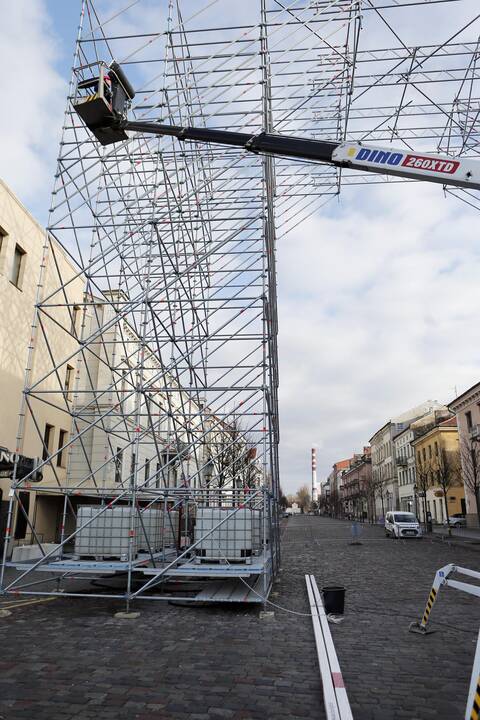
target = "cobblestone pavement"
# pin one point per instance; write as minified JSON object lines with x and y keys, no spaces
{"x":71,"y":658}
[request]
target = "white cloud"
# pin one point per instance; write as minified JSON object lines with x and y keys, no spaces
{"x":378,"y":312}
{"x":33,"y":99}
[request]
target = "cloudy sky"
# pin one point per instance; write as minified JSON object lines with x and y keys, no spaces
{"x":378,"y":294}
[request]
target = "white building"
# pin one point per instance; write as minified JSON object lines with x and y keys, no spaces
{"x":405,"y":460}
{"x":384,"y":464}
{"x":126,"y":433}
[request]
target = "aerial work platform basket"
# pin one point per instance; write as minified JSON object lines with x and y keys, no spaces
{"x":103,"y":101}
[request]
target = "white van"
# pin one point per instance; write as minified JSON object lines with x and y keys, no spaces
{"x":400,"y":524}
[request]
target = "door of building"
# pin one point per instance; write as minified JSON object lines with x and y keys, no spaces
{"x":3,"y":520}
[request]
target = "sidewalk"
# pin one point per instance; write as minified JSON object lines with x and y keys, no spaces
{"x":459,"y":536}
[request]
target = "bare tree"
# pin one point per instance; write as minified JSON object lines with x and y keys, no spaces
{"x":423,"y":471}
{"x":470,"y":456}
{"x":379,"y":490}
{"x":322,"y":504}
{"x":233,"y":457}
{"x":303,"y":498}
{"x":334,"y":501}
{"x":370,"y":495}
{"x":446,"y":474}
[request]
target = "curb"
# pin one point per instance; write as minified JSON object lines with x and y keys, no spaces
{"x":456,"y":542}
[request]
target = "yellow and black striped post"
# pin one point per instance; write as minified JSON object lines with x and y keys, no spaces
{"x":428,"y":606}
{"x":472,"y":711}
{"x":475,"y":711}
{"x":439,"y":579}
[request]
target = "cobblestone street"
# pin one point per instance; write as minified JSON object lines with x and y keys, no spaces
{"x":71,"y":658}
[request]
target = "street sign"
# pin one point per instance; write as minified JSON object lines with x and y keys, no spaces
{"x":25,"y":466}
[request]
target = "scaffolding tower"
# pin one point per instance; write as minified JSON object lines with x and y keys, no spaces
{"x":168,"y":370}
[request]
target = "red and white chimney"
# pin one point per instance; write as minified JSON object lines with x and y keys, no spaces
{"x":314,"y":476}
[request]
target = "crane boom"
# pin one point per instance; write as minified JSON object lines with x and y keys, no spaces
{"x":104,"y":109}
{"x":445,"y":169}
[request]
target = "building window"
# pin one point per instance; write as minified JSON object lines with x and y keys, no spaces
{"x":157,"y":483}
{"x":118,"y":465}
{"x":468,"y":417}
{"x":62,"y":439}
{"x":68,"y":381}
{"x":3,"y":235}
{"x":123,"y":392}
{"x":430,"y":452}
{"x":47,"y":441}
{"x":147,"y":471}
{"x":18,"y":266}
{"x":75,"y":312}
{"x":132,"y":465}
{"x":21,"y":522}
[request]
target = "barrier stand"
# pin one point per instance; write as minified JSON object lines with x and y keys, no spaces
{"x":442,"y":578}
{"x":337,"y":706}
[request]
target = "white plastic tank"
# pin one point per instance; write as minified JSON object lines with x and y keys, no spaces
{"x":150,"y":530}
{"x":108,"y":533}
{"x":231,"y":541}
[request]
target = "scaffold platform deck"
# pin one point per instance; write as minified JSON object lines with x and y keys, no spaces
{"x":105,"y":567}
{"x":232,"y":591}
{"x":260,"y":565}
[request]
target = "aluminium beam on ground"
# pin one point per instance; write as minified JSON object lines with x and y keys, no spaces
{"x":337,"y":705}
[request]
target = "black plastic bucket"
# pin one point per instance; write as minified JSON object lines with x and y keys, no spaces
{"x":334,"y":599}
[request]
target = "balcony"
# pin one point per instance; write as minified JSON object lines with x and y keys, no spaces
{"x":402,"y":461}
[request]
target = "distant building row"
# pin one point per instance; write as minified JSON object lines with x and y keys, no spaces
{"x":425,"y":461}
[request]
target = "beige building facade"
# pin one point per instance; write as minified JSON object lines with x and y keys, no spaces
{"x":28,"y":257}
{"x":467,"y":409}
{"x":437,"y":461}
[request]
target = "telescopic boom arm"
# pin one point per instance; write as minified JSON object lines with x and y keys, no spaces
{"x":104,"y":109}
